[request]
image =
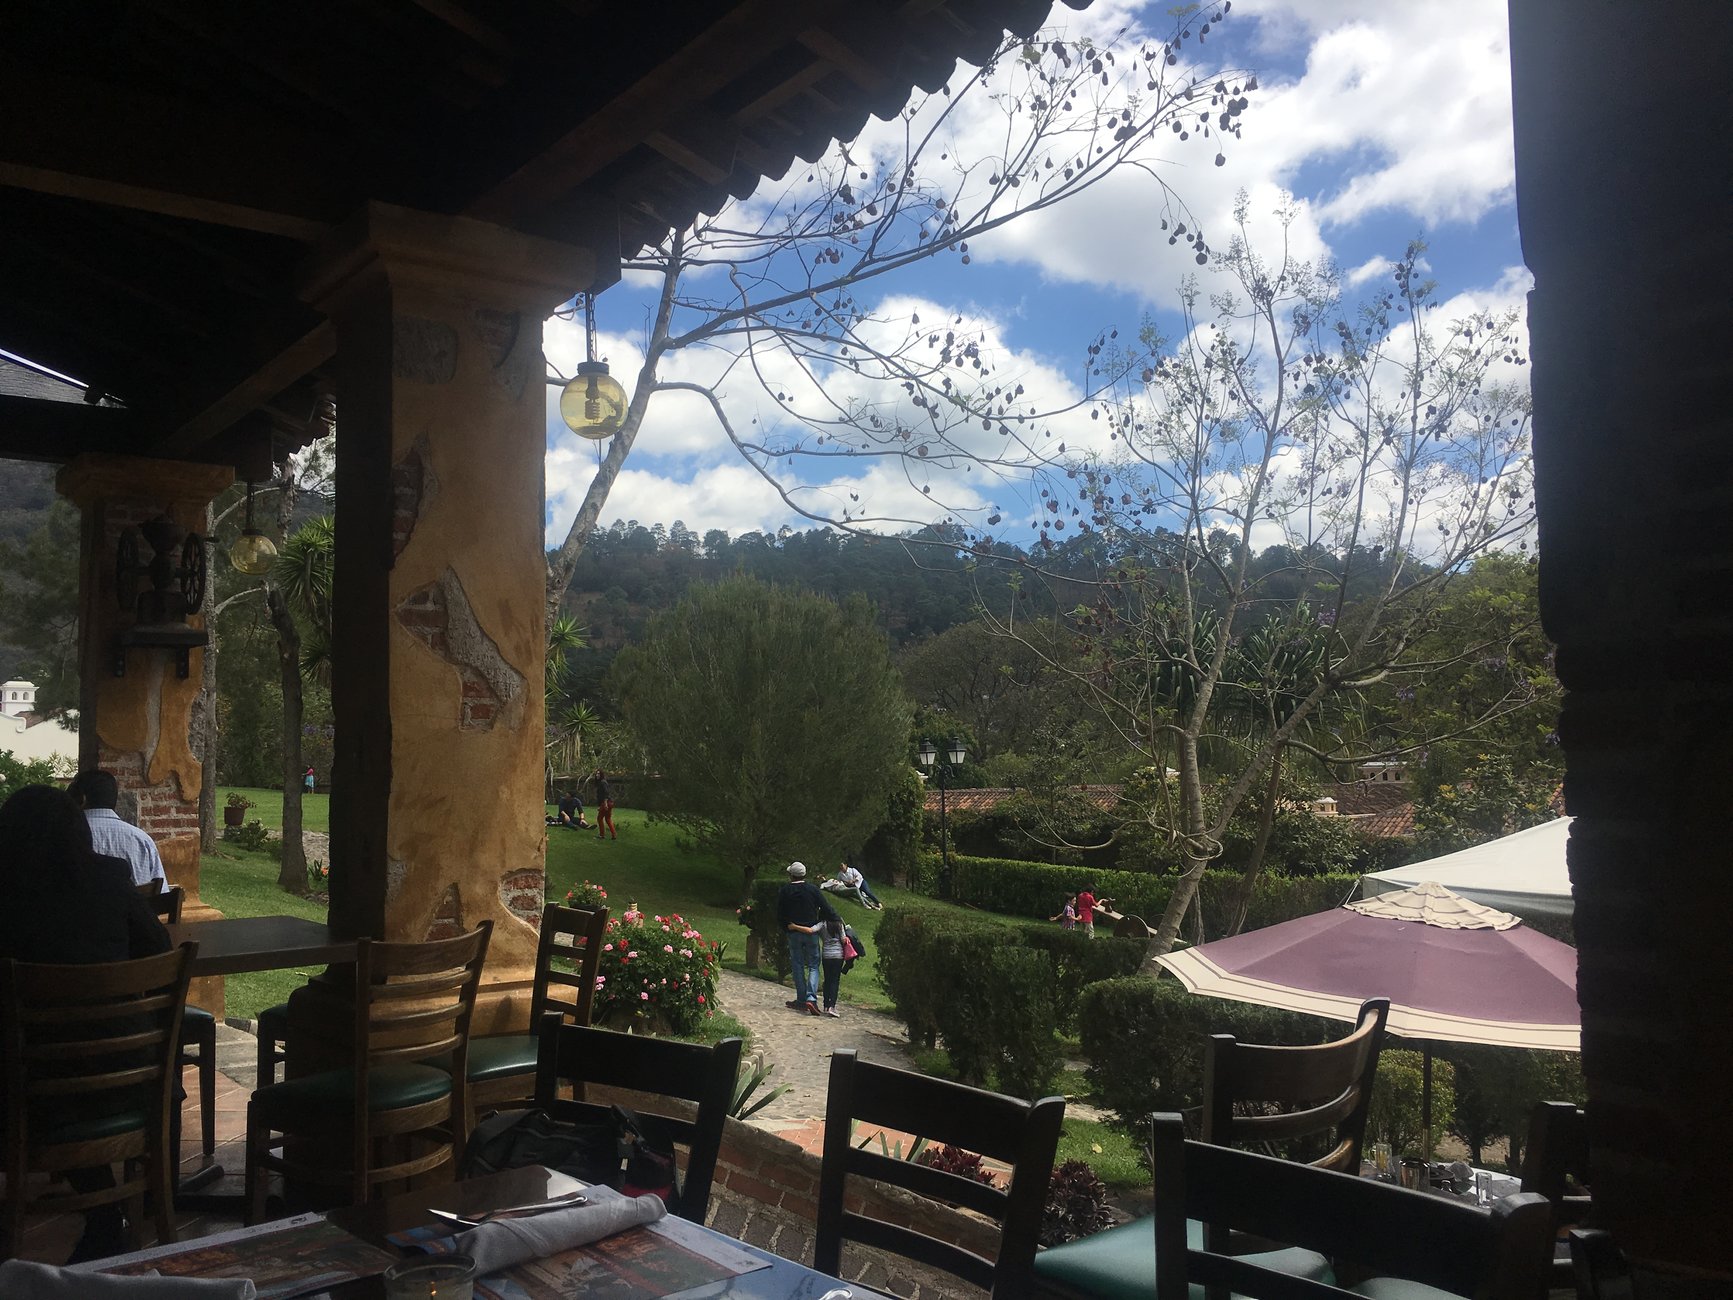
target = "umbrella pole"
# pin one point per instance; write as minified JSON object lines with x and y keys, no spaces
{"x":1426,"y":1099}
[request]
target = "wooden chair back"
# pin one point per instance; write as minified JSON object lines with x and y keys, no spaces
{"x":167,"y":902}
{"x":1496,"y":1254}
{"x":1599,"y":1268}
{"x":1302,"y":1090}
{"x":89,"y":1041}
{"x":576,"y":934}
{"x":1022,"y":1134}
{"x":581,"y":1055}
{"x":1557,"y":1154}
{"x":414,"y":1003}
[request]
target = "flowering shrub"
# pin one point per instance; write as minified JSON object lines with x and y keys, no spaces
{"x":657,"y":972}
{"x":587,"y":896}
{"x":318,"y":876}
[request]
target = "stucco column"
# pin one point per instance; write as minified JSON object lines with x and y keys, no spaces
{"x":437,"y":667}
{"x":138,"y":725}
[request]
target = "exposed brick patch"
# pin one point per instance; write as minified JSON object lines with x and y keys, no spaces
{"x":413,"y":485}
{"x":523,"y":893}
{"x":158,"y":810}
{"x":447,"y":920}
{"x":440,"y":617}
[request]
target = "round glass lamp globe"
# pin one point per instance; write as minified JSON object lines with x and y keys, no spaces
{"x":593,"y":404}
{"x":253,"y":553}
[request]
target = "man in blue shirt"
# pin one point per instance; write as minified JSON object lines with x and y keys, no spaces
{"x":799,"y":909}
{"x":97,"y":792}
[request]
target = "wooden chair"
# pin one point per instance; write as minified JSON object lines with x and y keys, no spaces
{"x":1252,"y":1094}
{"x":502,"y":1067}
{"x":1023,"y":1134}
{"x":1405,"y":1244}
{"x":1557,"y":1152}
{"x":1599,"y":1268}
{"x":85,"y":1088}
{"x":582,"y":1055}
{"x":198,"y":1041}
{"x":413,"y":1004}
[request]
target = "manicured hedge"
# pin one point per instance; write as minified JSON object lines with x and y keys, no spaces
{"x":1144,"y":1037}
{"x":1036,"y":889}
{"x":995,"y":995}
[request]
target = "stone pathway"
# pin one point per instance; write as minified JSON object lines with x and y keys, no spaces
{"x":799,"y":1046}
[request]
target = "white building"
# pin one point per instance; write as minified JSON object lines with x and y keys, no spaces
{"x":29,"y":737}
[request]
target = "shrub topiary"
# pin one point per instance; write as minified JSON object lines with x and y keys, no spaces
{"x":1144,"y":1038}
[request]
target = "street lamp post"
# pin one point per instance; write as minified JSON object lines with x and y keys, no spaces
{"x":954,"y":756}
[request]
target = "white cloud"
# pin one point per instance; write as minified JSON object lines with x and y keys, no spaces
{"x":1370,"y":269}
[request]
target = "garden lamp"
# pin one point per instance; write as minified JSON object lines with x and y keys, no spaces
{"x":252,"y":552}
{"x":593,"y":404}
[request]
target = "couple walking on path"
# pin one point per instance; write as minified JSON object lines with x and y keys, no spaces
{"x":817,"y":940}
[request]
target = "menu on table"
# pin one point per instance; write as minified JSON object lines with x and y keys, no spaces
{"x":292,"y":1257}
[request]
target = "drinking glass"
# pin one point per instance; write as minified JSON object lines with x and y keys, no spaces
{"x":443,"y":1277}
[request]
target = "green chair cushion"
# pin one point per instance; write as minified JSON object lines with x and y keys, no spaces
{"x":327,"y":1096}
{"x":194,"y":1019}
{"x":1120,"y":1263}
{"x":499,"y":1056}
{"x":90,"y":1128}
{"x":1396,"y":1288}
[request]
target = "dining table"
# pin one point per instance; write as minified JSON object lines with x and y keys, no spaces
{"x":238,"y":945}
{"x":377,"y":1221}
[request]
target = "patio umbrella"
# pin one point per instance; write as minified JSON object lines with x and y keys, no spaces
{"x":1454,"y":970}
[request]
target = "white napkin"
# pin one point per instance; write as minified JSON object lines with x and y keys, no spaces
{"x":21,"y":1280}
{"x":498,"y":1246}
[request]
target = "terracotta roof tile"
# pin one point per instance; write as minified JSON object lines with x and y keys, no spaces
{"x":987,"y":798}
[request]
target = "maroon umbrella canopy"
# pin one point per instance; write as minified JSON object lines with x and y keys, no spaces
{"x":1452,"y":969}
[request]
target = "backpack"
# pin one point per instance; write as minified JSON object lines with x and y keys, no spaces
{"x":613,"y":1152}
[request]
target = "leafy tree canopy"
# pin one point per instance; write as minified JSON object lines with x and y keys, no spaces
{"x":774,"y":717}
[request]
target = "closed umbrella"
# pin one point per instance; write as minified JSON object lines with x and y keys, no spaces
{"x":1454,"y":970}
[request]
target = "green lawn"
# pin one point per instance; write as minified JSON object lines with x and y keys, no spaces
{"x":238,"y":883}
{"x":268,"y":807}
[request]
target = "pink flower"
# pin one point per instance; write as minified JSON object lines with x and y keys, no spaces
{"x":607,"y":947}
{"x":643,"y":997}
{"x":700,"y":999}
{"x":631,"y":955}
{"x":667,"y":947}
{"x":684,"y":952}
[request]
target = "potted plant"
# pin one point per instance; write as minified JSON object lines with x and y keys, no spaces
{"x":235,"y":808}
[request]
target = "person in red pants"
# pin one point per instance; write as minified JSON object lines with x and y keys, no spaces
{"x":604,"y":806}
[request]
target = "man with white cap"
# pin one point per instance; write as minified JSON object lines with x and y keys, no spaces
{"x":800,"y":907}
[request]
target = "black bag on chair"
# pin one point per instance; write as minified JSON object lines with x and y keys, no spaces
{"x":615,"y":1152}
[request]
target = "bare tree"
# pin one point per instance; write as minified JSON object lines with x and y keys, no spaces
{"x":775,"y":283}
{"x":1376,"y":445}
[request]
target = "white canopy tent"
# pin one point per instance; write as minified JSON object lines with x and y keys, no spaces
{"x":1522,"y":873}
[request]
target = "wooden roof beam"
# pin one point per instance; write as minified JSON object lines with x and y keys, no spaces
{"x":83,"y":140}
{"x":304,"y":349}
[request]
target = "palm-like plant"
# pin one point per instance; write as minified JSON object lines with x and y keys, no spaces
{"x":303,"y":573}
{"x":568,"y":718}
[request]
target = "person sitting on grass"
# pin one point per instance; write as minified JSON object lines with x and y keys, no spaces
{"x":849,"y":881}
{"x":571,"y":812}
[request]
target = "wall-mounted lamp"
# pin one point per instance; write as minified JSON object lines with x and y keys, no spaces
{"x":252,"y":552}
{"x":176,"y":574}
{"x":593,"y":404}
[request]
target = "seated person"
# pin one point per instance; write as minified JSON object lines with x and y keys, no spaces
{"x":571,"y":812}
{"x":849,"y":882}
{"x":71,"y":906}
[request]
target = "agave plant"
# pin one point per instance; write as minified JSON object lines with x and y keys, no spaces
{"x":753,"y":1075}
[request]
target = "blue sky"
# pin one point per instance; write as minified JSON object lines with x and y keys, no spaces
{"x":1386,"y":119}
